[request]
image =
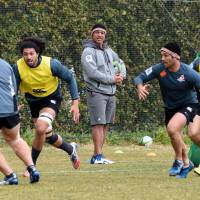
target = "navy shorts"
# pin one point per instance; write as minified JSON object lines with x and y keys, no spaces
{"x":189,"y":111}
{"x":9,"y":122}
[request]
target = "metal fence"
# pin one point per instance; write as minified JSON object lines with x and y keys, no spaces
{"x":136,"y":30}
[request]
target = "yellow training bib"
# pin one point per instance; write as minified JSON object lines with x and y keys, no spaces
{"x":37,"y":81}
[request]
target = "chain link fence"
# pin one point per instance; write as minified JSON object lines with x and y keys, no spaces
{"x":136,"y":31}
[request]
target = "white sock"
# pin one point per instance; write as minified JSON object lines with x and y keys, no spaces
{"x":186,"y":163}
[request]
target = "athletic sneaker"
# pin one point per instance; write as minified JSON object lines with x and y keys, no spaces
{"x":99,"y":159}
{"x":106,"y":161}
{"x":197,"y":170}
{"x":185,"y":171}
{"x":92,"y":160}
{"x":34,"y":174}
{"x":74,"y":156}
{"x":13,"y":180}
{"x":176,"y":168}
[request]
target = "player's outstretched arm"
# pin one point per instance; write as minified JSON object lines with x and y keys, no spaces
{"x":143,"y":91}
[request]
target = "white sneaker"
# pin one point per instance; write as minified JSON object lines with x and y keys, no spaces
{"x":106,"y":161}
{"x":13,"y":180}
{"x":99,"y":159}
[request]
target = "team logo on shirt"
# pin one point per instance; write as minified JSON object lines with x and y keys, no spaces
{"x":181,"y":78}
{"x":163,"y":73}
{"x":88,"y":58}
{"x":189,"y":109}
{"x":53,"y":101}
{"x":39,"y":91}
{"x":148,"y":71}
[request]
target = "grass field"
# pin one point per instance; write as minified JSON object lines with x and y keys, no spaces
{"x":134,"y":176}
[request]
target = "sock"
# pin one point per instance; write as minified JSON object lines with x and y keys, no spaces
{"x":186,"y":163}
{"x":186,"y":166}
{"x":180,"y":161}
{"x":66,"y":147}
{"x":35,"y":153}
{"x":98,"y":154}
{"x":10,"y":175}
{"x":31,"y":168}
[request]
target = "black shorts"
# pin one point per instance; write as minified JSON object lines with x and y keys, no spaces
{"x":50,"y":102}
{"x":189,"y":111}
{"x":198,"y":110}
{"x":9,"y":122}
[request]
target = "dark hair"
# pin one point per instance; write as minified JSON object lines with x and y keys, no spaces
{"x":98,"y":26}
{"x":32,"y":42}
{"x":174,"y":47}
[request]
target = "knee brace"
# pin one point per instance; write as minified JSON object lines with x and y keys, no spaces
{"x":52,"y":139}
{"x":47,"y":118}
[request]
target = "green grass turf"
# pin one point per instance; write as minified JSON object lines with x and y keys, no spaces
{"x":134,"y":176}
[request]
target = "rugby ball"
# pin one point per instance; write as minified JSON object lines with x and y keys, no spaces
{"x":146,"y":141}
{"x":120,"y":68}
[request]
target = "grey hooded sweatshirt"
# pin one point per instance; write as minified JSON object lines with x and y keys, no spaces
{"x":98,"y":67}
{"x":8,"y":90}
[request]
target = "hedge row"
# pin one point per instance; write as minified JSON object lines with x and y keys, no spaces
{"x":136,"y":30}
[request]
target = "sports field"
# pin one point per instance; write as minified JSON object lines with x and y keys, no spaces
{"x":137,"y":175}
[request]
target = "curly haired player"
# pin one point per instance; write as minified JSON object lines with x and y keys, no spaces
{"x":38,"y":77}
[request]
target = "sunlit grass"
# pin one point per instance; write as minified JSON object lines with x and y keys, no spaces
{"x":136,"y":175}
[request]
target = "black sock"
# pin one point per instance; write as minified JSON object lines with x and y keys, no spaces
{"x":66,"y":147}
{"x":35,"y":153}
{"x":10,"y":175}
{"x":31,"y":168}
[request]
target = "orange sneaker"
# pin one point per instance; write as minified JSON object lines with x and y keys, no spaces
{"x":74,"y":156}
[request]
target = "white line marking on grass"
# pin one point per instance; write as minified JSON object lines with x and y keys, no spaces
{"x":128,"y":161}
{"x":85,"y":171}
{"x":95,"y":171}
